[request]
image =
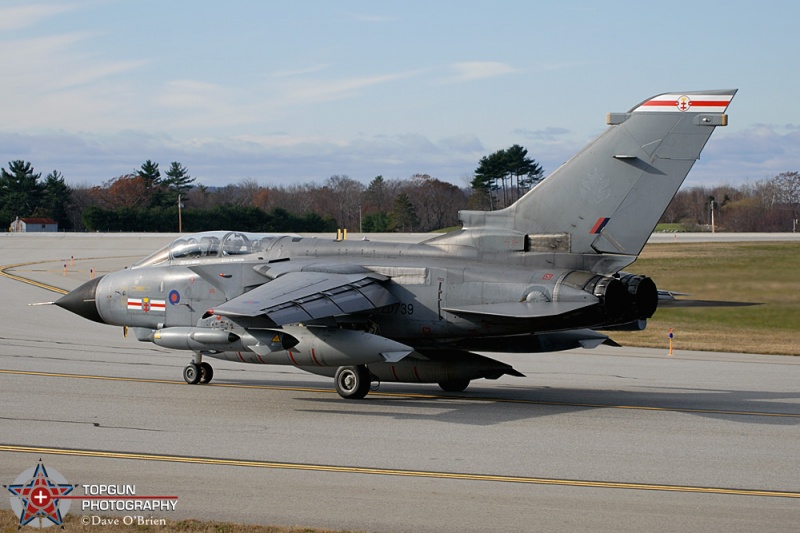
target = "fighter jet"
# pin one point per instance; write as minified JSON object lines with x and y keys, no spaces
{"x":540,"y":275}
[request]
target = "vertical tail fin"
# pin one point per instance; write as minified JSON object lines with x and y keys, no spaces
{"x":609,"y":197}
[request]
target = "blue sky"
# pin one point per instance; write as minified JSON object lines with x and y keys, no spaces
{"x":293,"y":92}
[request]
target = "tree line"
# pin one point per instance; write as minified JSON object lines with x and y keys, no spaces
{"x":768,"y":205}
{"x":144,"y":200}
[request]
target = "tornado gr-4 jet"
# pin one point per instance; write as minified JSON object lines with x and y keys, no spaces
{"x":540,"y":275}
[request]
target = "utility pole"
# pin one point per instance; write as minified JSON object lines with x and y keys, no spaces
{"x":713,"y":227}
{"x":180,"y":218}
{"x":712,"y":215}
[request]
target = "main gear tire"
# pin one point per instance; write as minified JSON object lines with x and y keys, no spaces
{"x":352,"y":382}
{"x":191,"y":374}
{"x":206,"y":372}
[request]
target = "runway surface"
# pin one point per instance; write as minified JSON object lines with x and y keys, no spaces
{"x":605,"y":439}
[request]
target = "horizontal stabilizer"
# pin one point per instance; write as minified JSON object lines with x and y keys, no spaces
{"x":667,"y":299}
{"x":703,"y":303}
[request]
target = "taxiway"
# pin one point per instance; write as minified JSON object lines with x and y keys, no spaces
{"x":607,"y":439}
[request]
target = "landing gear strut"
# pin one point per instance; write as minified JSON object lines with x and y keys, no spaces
{"x":352,"y":382}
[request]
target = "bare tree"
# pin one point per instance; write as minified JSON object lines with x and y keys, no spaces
{"x":436,"y":202}
{"x":344,"y":200}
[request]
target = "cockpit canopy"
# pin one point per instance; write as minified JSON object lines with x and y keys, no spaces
{"x":211,"y":244}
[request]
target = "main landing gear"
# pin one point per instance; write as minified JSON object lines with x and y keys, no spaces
{"x":352,"y":382}
{"x":198,"y":372}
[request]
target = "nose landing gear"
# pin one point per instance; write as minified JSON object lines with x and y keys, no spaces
{"x":201,"y":372}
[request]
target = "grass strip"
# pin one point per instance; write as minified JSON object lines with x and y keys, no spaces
{"x":742,"y":271}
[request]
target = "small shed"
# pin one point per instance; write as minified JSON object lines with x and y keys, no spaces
{"x":34,"y":225}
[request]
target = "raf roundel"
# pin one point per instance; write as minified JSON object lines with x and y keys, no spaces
{"x":174,"y":297}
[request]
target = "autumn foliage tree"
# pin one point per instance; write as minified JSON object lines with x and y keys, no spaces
{"x":129,"y":190}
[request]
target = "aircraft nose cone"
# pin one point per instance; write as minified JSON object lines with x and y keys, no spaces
{"x":82,"y":301}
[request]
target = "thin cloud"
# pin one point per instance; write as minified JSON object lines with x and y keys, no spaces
{"x":320,"y":90}
{"x":24,"y":16}
{"x":550,"y":133}
{"x":478,"y":70}
{"x":227,"y":105}
{"x":300,"y":72}
{"x":54,"y":62}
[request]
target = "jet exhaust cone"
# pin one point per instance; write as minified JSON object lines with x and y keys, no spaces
{"x":81,"y":301}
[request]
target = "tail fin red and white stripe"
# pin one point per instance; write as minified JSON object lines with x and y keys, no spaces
{"x":700,"y":102}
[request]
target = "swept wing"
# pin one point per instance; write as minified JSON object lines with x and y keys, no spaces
{"x":302,"y":297}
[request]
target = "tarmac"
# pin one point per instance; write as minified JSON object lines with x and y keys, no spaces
{"x":607,"y":439}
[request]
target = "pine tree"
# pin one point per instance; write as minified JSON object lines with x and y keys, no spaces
{"x":150,"y":173}
{"x":178,"y":178}
{"x":518,"y":165}
{"x":404,"y":215}
{"x":20,"y":191}
{"x":510,"y":164}
{"x":490,"y":169}
{"x":55,"y":202}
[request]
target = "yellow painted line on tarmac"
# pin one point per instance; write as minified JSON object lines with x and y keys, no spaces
{"x":208,"y":461}
{"x":45,"y":286}
{"x":162,"y":381}
{"x":413,"y":395}
{"x":4,"y":271}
